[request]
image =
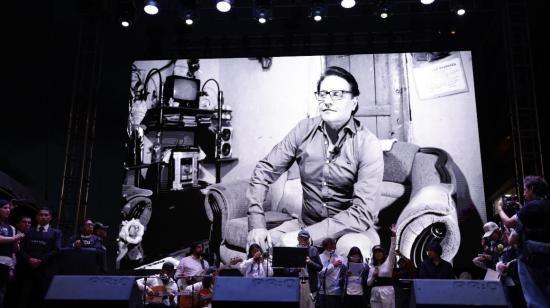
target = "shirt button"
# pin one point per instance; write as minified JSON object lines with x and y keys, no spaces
{"x":326,"y":142}
{"x":327,"y":161}
{"x":324,"y":204}
{"x":325,"y":183}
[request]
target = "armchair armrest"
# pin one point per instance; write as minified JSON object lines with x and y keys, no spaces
{"x":431,"y":213}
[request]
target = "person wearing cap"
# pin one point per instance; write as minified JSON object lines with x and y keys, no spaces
{"x":434,"y":267}
{"x":330,"y":289}
{"x":313,"y":264}
{"x":9,"y":241}
{"x":493,"y":246}
{"x":160,"y":290}
{"x":380,"y":274}
{"x":100,"y":230}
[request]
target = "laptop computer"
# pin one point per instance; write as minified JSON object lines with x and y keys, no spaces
{"x":289,"y":257}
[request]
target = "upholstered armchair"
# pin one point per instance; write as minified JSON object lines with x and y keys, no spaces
{"x":420,"y":190}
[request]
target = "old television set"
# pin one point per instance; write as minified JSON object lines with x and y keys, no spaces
{"x":181,"y":91}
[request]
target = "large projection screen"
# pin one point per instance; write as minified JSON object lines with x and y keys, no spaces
{"x":426,"y":99}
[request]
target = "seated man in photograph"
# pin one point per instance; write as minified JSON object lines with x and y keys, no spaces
{"x":341,"y":167}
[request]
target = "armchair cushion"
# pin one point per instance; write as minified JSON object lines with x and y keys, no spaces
{"x":398,"y":162}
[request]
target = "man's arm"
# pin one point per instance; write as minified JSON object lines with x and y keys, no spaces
{"x":56,"y":246}
{"x":361,"y":215}
{"x":509,"y":222}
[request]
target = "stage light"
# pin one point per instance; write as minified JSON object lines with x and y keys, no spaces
{"x":318,"y":10}
{"x":426,"y":2}
{"x":347,"y":4}
{"x":125,"y":13}
{"x":262,"y":11}
{"x":151,"y":7}
{"x":189,"y":18}
{"x":384,"y":12}
{"x":224,"y":5}
{"x":460,"y":12}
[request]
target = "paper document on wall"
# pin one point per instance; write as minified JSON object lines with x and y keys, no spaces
{"x":440,"y":78}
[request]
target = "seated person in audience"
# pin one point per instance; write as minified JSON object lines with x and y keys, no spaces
{"x":434,"y":267}
{"x":257,"y":264}
{"x":160,"y":289}
{"x":23,"y":224}
{"x":493,"y":244}
{"x":380,"y":274}
{"x":9,"y":241}
{"x":86,"y":238}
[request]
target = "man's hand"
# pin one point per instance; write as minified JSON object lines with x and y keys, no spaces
{"x":259,"y":236}
{"x":18,"y":237}
{"x":289,"y":239}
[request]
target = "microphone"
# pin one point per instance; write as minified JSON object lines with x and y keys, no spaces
{"x":265,"y":255}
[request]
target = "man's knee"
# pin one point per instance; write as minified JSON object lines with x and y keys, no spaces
{"x":364,"y":241}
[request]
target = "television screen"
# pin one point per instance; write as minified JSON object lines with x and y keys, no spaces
{"x":182,"y":90}
{"x":425,"y":100}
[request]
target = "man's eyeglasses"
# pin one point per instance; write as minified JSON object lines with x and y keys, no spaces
{"x":335,"y":95}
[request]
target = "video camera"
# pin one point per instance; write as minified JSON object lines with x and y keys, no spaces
{"x":510,"y":204}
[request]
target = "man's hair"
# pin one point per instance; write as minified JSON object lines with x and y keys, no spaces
{"x":537,"y":184}
{"x":347,"y":76}
{"x":44,"y":208}
{"x":435,"y":247}
{"x":194,"y":245}
{"x":327,"y":242}
{"x":19,"y":218}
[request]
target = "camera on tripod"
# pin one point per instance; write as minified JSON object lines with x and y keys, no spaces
{"x":510,"y":204}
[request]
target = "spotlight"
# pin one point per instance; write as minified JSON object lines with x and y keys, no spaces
{"x":384,"y":12}
{"x":460,"y":11}
{"x":125,"y":13}
{"x":189,"y":19}
{"x":347,"y":4}
{"x":262,"y":11}
{"x":224,"y":5}
{"x":426,"y":2}
{"x":151,"y":7}
{"x":318,"y":10}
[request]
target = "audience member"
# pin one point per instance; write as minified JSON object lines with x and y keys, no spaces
{"x":434,"y":267}
{"x":36,"y":263}
{"x":23,"y":224}
{"x":493,"y":245}
{"x":86,"y":238}
{"x":313,"y":265}
{"x":532,"y":223}
{"x":100,"y":230}
{"x":380,"y":274}
{"x":9,"y":240}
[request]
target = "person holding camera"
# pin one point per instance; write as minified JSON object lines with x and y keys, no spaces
{"x":532,"y":223}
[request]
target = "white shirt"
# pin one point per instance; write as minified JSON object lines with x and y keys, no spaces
{"x":191,"y":266}
{"x":250,"y":268}
{"x":329,"y":276}
{"x":46,"y":227}
{"x":155,"y":283}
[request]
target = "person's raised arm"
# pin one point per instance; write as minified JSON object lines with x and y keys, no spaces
{"x":509,"y":222}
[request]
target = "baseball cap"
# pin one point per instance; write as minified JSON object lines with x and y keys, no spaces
{"x":489,"y":228}
{"x":304,"y":234}
{"x":100,"y":225}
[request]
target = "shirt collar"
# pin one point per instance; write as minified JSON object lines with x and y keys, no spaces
{"x":46,"y":227}
{"x":353,"y":125}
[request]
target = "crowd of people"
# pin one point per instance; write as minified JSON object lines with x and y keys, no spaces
{"x":331,"y":280}
{"x":28,"y":253}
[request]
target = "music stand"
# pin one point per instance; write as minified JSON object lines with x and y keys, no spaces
{"x":289,"y":257}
